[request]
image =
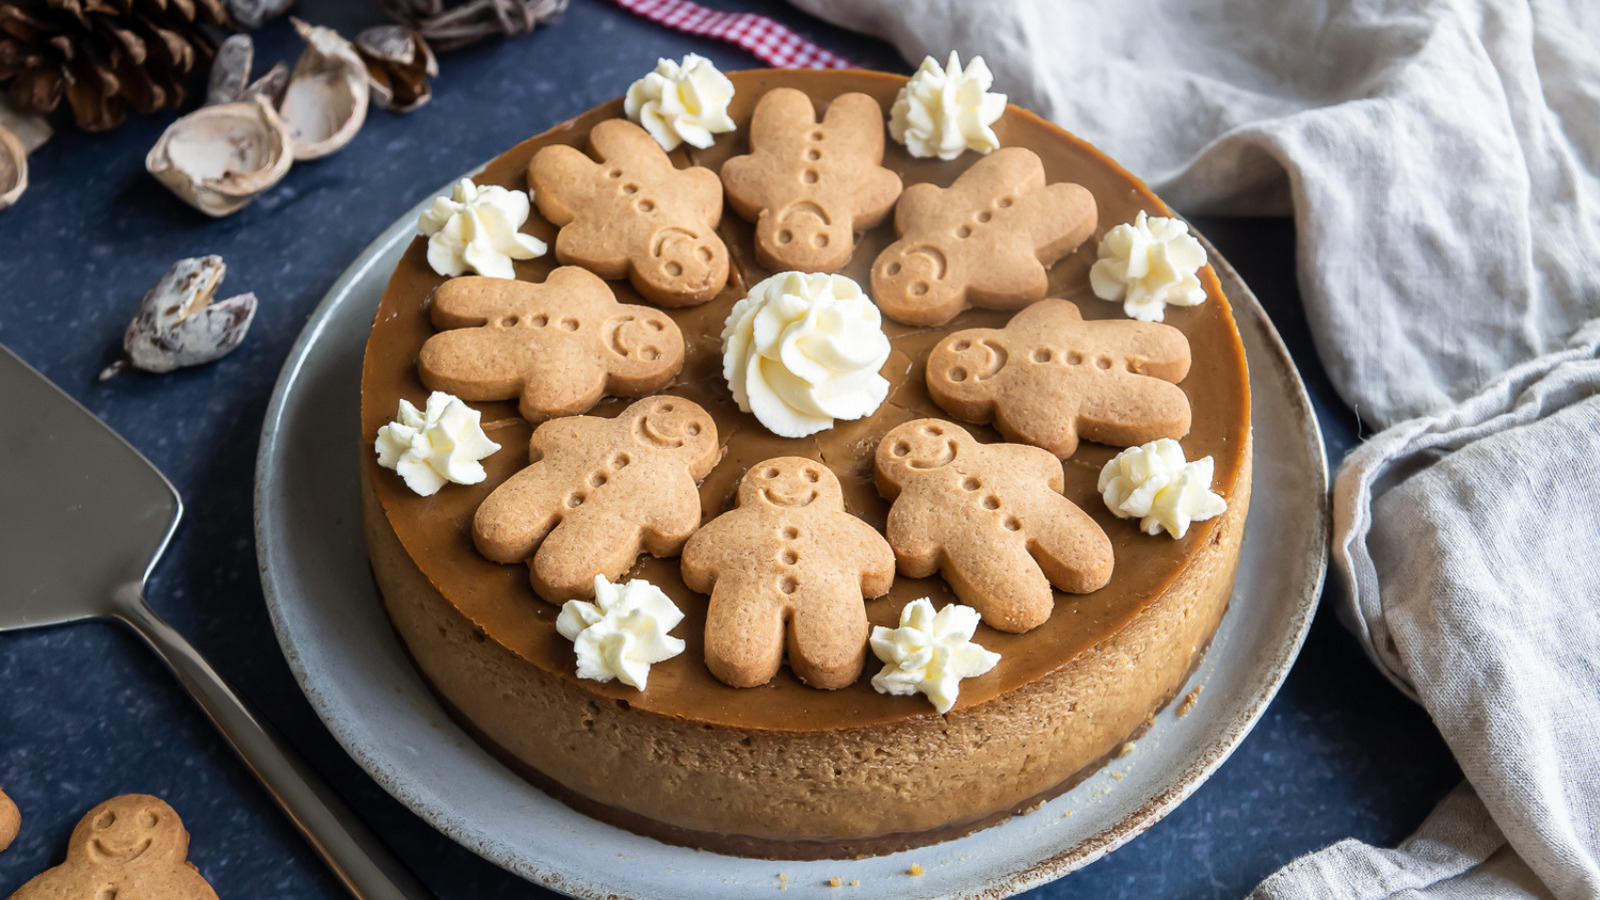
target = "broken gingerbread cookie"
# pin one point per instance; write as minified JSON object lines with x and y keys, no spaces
{"x":597,"y":492}
{"x":1049,"y":377}
{"x":556,"y":347}
{"x":990,"y":518}
{"x":629,"y":213}
{"x":129,"y":846}
{"x":810,"y":187}
{"x":987,"y":240}
{"x":789,"y":560}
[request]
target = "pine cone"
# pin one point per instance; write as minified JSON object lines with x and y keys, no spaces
{"x":105,"y":56}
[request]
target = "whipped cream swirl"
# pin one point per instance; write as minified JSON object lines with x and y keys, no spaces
{"x":476,"y":228}
{"x":623,"y":632}
{"x":1147,"y":264}
{"x":439,"y":444}
{"x":930,"y":653}
{"x":682,"y":102}
{"x":1153,"y":483}
{"x":803,"y":350}
{"x":946,"y":111}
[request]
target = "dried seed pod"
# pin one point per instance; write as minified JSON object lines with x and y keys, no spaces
{"x":326,"y":101}
{"x":218,"y":158}
{"x":399,"y":65}
{"x":230,"y":72}
{"x":13,"y":168}
{"x":252,"y":14}
{"x":178,"y":324}
{"x":270,"y":87}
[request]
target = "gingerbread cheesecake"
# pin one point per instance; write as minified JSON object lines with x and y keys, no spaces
{"x":809,"y":762}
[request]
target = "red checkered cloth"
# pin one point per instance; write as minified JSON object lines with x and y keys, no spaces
{"x":763,"y":37}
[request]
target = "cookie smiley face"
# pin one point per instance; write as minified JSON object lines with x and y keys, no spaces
{"x":790,"y":483}
{"x":128,"y":829}
{"x":930,"y":445}
{"x":637,"y":341}
{"x":671,"y":424}
{"x":129,"y":846}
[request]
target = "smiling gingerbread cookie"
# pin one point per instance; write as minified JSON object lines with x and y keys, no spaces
{"x":597,"y":492}
{"x":1050,"y":377}
{"x":990,"y":518}
{"x":132,"y":847}
{"x":788,"y":561}
{"x":811,"y":187}
{"x":629,"y":213}
{"x":987,"y":240}
{"x":556,"y":347}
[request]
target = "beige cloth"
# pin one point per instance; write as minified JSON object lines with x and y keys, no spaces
{"x":1442,"y":161}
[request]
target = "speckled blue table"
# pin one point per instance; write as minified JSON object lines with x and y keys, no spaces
{"x":87,"y":713}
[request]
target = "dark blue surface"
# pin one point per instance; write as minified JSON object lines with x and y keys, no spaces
{"x":87,"y":713}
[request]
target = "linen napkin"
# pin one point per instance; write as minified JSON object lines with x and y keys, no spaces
{"x":1442,"y":161}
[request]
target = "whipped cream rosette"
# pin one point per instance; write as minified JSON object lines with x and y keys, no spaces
{"x":802,"y":350}
{"x":623,"y":632}
{"x":476,"y":229}
{"x":930,"y":653}
{"x":1156,"y":485}
{"x":945,"y":111}
{"x":1147,"y":264}
{"x":439,"y":444}
{"x":682,"y":103}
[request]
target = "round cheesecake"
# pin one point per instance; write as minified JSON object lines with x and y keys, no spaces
{"x":785,"y":770}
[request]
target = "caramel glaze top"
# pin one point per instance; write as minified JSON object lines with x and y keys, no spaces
{"x":436,"y":531}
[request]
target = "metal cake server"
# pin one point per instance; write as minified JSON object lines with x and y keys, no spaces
{"x":92,"y":517}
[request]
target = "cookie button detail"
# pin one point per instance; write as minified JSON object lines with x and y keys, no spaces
{"x":623,"y":632}
{"x":1148,"y":264}
{"x":930,"y":653}
{"x":439,"y":445}
{"x":475,"y":229}
{"x":946,"y":111}
{"x":803,"y":350}
{"x":683,"y":102}
{"x":1154,"y":484}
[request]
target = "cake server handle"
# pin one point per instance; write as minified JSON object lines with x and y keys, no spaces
{"x":357,"y":856}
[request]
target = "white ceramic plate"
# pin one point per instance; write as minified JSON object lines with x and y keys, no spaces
{"x":348,"y":661}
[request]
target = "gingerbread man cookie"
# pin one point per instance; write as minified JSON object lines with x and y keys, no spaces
{"x":132,"y":847}
{"x":990,"y":518}
{"x":558,"y":347}
{"x":789,"y":558}
{"x":987,"y":240}
{"x":597,"y":492}
{"x":1049,"y":378}
{"x":811,"y":188}
{"x":633,"y":214}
